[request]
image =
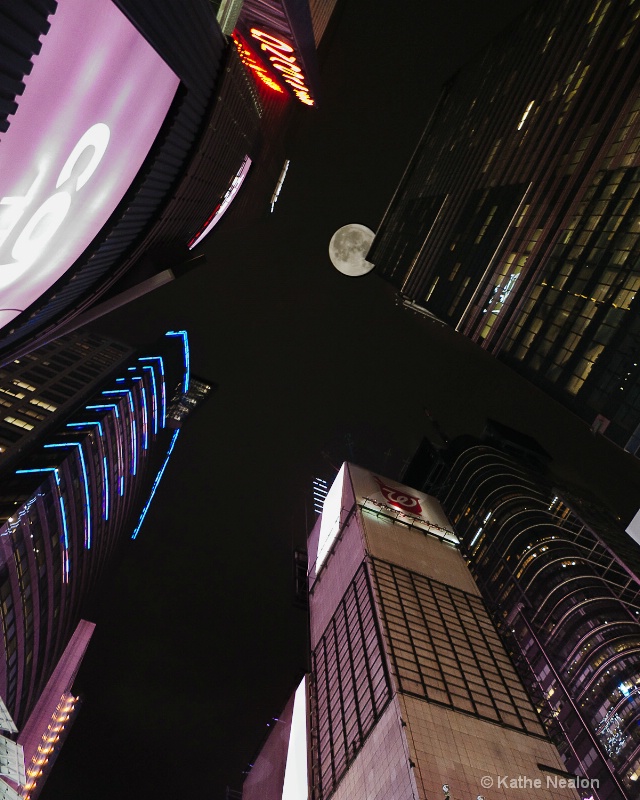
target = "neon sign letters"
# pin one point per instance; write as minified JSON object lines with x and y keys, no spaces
{"x":248,"y":59}
{"x":284,"y":61}
{"x":90,"y":111}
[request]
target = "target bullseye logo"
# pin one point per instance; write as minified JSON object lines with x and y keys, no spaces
{"x":399,"y":499}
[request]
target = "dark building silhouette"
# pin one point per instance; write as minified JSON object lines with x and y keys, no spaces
{"x":517,"y":218}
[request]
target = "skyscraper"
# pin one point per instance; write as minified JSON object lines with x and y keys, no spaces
{"x":561,"y":580}
{"x":516,"y":220}
{"x":42,"y":386}
{"x":411,"y":693}
{"x":65,"y":509}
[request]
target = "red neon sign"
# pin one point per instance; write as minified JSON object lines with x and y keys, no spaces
{"x":248,"y":59}
{"x":283,"y":60}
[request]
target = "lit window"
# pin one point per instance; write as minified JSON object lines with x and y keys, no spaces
{"x":42,"y":404}
{"x":18,"y":395}
{"x":19,"y":423}
{"x":525,"y":115}
{"x":433,"y":286}
{"x":24,"y":385}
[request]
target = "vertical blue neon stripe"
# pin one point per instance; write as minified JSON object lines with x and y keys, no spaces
{"x":121,"y":485}
{"x":145,"y":419}
{"x":134,"y":445}
{"x":164,"y":403}
{"x":106,"y":487}
{"x":185,"y":342}
{"x":65,"y":558}
{"x":86,"y":497}
{"x":154,"y":397}
{"x":87,"y":503}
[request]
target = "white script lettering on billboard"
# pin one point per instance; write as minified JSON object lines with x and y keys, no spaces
{"x":91,"y":109}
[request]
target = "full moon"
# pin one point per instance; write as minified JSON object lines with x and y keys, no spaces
{"x":348,"y":247}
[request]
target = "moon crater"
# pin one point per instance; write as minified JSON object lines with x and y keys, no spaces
{"x":348,"y":247}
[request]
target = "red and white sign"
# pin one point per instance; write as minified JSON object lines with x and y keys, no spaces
{"x":382,"y":497}
{"x":399,"y":498}
{"x":417,"y":508}
{"x":91,"y":109}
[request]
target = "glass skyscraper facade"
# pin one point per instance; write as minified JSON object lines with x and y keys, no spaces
{"x":66,"y":506}
{"x":517,"y":219}
{"x":39,"y":388}
{"x":560,"y":578}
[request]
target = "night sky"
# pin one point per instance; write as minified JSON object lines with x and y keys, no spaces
{"x":198,"y":642}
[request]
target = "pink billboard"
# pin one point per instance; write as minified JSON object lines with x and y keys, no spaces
{"x":92,"y":107}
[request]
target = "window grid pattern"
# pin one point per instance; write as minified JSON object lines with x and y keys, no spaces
{"x":558,"y":575}
{"x":351,"y":685}
{"x":444,"y":648}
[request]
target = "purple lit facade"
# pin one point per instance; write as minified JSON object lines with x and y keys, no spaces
{"x":66,"y":510}
{"x":48,"y":725}
{"x":561,"y":580}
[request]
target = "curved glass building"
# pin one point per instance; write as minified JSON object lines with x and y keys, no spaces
{"x":562,"y":583}
{"x":64,"y":512}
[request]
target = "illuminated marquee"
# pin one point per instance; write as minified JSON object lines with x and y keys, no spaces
{"x":91,"y":109}
{"x":223,"y":205}
{"x":283,"y":59}
{"x":249,"y":60}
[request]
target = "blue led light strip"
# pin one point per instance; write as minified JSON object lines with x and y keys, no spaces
{"x":84,"y":425}
{"x":162,"y":385}
{"x":145,"y":419}
{"x":114,"y":406}
{"x":66,"y":564}
{"x":134,"y":436}
{"x":87,"y":503}
{"x":66,"y":561}
{"x":134,"y":445}
{"x":120,"y":391}
{"x":155,"y":484}
{"x":106,"y":487}
{"x":43,"y":469}
{"x":185,"y":341}
{"x":154,"y":395}
{"x":105,"y":510}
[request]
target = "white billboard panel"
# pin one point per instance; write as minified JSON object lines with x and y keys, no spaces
{"x":90,"y":111}
{"x":403,"y":503}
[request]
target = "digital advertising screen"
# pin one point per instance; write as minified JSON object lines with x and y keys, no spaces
{"x":92,"y":107}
